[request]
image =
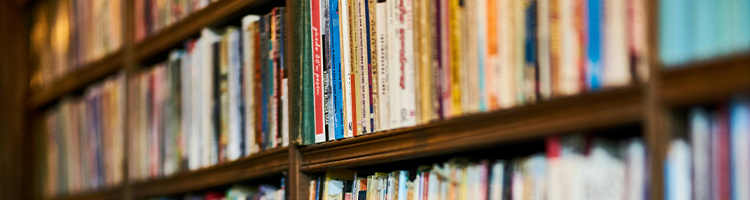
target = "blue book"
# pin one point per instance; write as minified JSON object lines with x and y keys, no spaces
{"x":403,"y":178}
{"x":594,"y":48}
{"x":705,"y":33}
{"x":739,"y":132}
{"x":264,"y":76}
{"x":338,"y":101}
{"x":674,"y":32}
{"x":530,"y":63}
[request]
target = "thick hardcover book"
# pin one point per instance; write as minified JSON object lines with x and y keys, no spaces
{"x":336,"y":67}
{"x":236,"y":98}
{"x":317,"y":72}
{"x":249,"y":33}
{"x":301,"y":101}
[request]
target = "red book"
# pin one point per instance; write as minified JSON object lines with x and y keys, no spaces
{"x":214,"y":195}
{"x":720,"y":171}
{"x":317,"y":53}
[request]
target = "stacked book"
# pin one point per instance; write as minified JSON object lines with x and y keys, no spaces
{"x":238,"y":192}
{"x":379,"y":65}
{"x":68,"y":34}
{"x":698,"y":30}
{"x":713,"y":162}
{"x":220,"y":98}
{"x":573,"y":168}
{"x":83,"y":145}
{"x":154,"y":15}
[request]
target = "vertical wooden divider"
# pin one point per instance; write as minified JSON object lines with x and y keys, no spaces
{"x":130,"y":66}
{"x":656,"y":122}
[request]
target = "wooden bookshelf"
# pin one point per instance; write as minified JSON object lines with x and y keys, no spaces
{"x":706,"y":81}
{"x":587,"y":111}
{"x":263,"y":164}
{"x":174,"y":35}
{"x":113,"y":194}
{"x":76,"y":80}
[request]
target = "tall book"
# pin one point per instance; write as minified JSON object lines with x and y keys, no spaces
{"x":334,"y":10}
{"x":739,"y":132}
{"x":317,"y":72}
{"x":381,"y":48}
{"x":701,"y":141}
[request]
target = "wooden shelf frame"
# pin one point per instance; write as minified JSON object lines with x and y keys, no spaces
{"x":110,"y":193}
{"x":647,"y":103}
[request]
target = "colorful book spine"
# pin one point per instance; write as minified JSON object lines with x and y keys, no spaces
{"x":336,"y":67}
{"x":327,"y":70}
{"x":594,"y":44}
{"x":317,"y":62}
{"x":455,"y":56}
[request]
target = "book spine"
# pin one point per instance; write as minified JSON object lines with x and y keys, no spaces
{"x":394,"y":73}
{"x":317,"y":53}
{"x":327,"y":73}
{"x":357,"y":51}
{"x":530,"y":84}
{"x":408,"y":92}
{"x":423,"y":66}
{"x":365,"y":74}
{"x":445,"y":59}
{"x":543,"y":43}
{"x":555,"y":42}
{"x":336,"y":73}
{"x":381,"y":47}
{"x":594,"y":44}
{"x":739,"y":133}
{"x":372,"y":37}
{"x":437,"y":62}
{"x":347,"y":60}
{"x":455,"y":54}
{"x":616,"y":69}
{"x":637,"y":38}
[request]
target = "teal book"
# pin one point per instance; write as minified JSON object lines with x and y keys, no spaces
{"x":741,"y":25}
{"x":724,"y":26}
{"x":674,"y":32}
{"x":705,"y":32}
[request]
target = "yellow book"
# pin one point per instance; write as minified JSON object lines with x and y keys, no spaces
{"x":454,"y":17}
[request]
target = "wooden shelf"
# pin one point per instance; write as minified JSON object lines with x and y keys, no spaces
{"x":173,"y":35}
{"x":112,"y":194}
{"x":705,"y":81}
{"x":587,"y":111}
{"x":263,"y":164}
{"x":77,"y":80}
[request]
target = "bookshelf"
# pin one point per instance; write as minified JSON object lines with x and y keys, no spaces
{"x":646,"y":103}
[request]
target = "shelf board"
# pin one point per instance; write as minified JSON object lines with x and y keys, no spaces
{"x":176,"y":33}
{"x":705,"y":81}
{"x":77,"y":80}
{"x":112,"y":193}
{"x":587,"y":111}
{"x":263,"y":164}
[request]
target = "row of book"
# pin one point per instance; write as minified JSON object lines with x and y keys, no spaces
{"x":713,"y":162}
{"x":68,"y":34}
{"x":83,"y":142}
{"x":378,"y":65}
{"x":220,"y":98}
{"x":154,"y":15}
{"x":239,"y":192}
{"x":697,"y":30}
{"x":573,"y":167}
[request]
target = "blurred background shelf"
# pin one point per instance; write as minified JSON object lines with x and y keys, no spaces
{"x":76,"y":80}
{"x":587,"y":111}
{"x":263,"y":164}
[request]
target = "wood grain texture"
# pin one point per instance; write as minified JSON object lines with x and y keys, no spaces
{"x":706,"y":81}
{"x":77,"y":80}
{"x":263,"y":164}
{"x":587,"y":111}
{"x":109,"y":194}
{"x":175,"y":34}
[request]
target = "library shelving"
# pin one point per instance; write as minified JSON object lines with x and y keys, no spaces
{"x":644,"y":103}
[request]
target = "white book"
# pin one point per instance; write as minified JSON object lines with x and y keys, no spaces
{"x":394,"y":72}
{"x":677,"y":171}
{"x":739,"y":132}
{"x":505,"y":72}
{"x":408,"y":92}
{"x":381,"y":46}
{"x":700,"y":139}
{"x":196,"y":125}
{"x":346,"y":67}
{"x":616,"y":58}
{"x":209,"y":151}
{"x":496,"y":180}
{"x":635,"y":174}
{"x":236,"y":97}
